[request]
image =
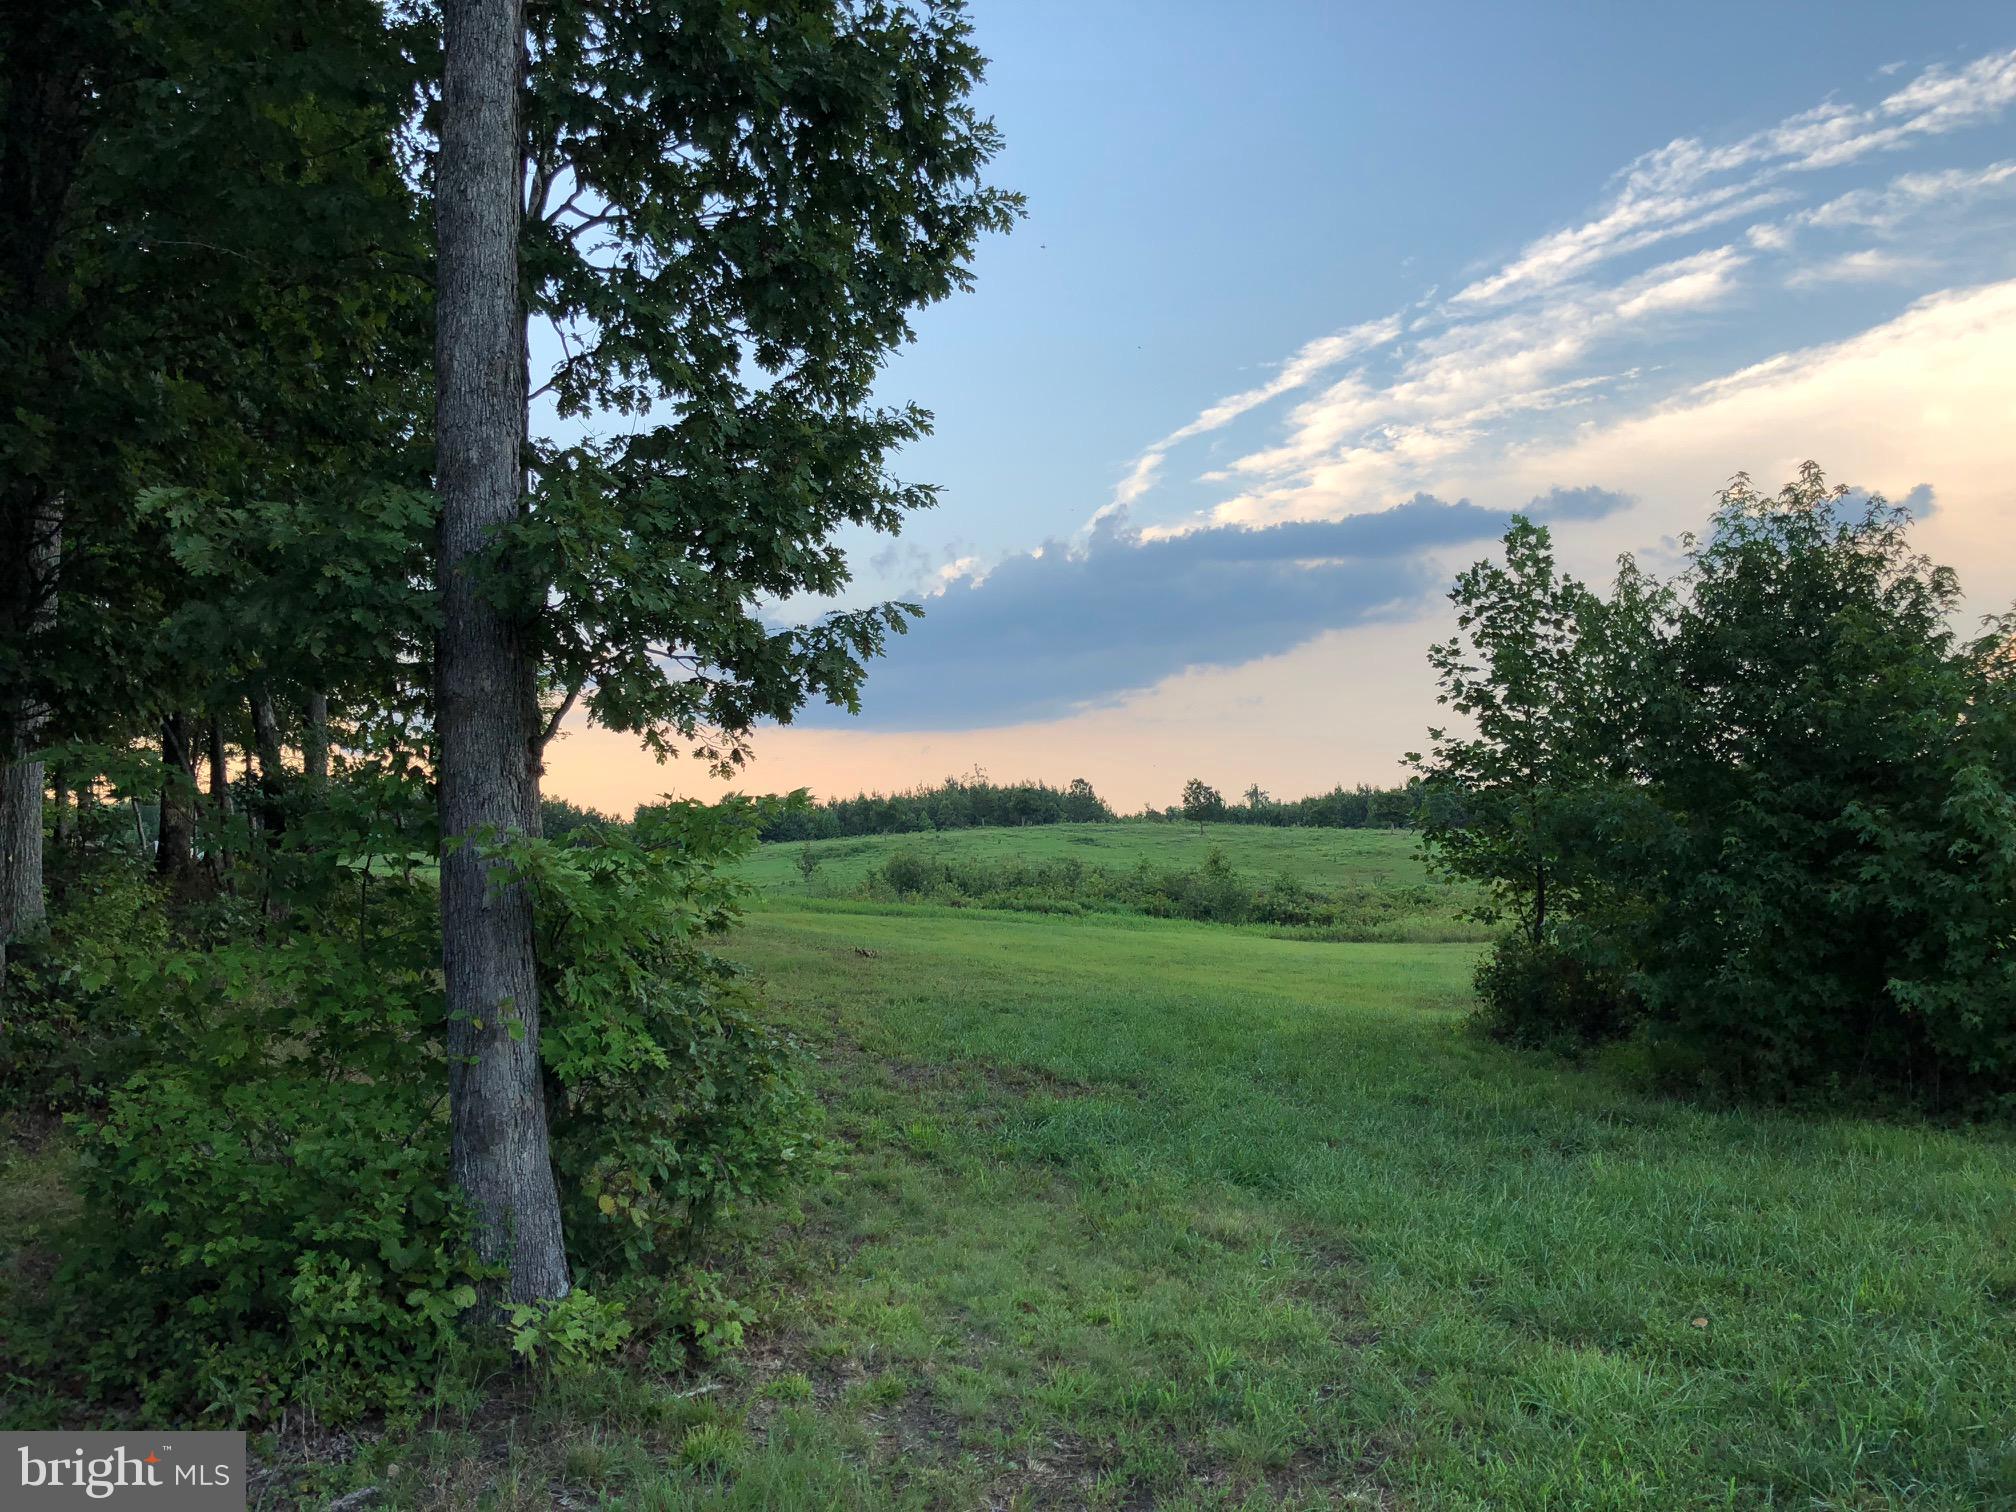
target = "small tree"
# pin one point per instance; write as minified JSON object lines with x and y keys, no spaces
{"x":808,"y":863}
{"x":1201,"y":802}
{"x":1516,"y":673}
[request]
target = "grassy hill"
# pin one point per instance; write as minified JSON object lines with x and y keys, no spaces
{"x":1327,"y":884}
{"x":1132,"y":1212}
{"x":1316,"y":857}
{"x":1137,"y":1213}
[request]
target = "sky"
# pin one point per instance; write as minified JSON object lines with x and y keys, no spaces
{"x":1309,"y":300}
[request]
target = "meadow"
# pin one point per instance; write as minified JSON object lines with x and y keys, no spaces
{"x":1131,"y":1212}
{"x":1318,"y":857}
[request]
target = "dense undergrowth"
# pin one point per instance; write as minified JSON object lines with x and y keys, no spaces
{"x":253,"y":1078}
{"x":1213,"y":891}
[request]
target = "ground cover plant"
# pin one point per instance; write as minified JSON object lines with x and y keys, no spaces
{"x":1320,"y":858}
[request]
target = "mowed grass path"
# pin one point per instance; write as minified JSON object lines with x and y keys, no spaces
{"x":1316,"y":857}
{"x":1175,"y":1215}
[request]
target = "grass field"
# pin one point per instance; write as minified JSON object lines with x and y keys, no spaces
{"x":1316,"y":857}
{"x":1141,"y":1213}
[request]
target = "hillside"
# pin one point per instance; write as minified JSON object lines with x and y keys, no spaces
{"x":1314,"y":857}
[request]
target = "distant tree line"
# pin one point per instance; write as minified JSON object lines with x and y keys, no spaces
{"x":1360,"y":807}
{"x":970,"y":802}
{"x":975,"y":802}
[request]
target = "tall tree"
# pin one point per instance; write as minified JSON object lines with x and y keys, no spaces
{"x":486,"y":705}
{"x":726,"y":216}
{"x":730,"y":214}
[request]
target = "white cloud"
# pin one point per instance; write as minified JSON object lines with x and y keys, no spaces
{"x":1908,"y":194}
{"x":1668,"y":192}
{"x":1469,"y":376}
{"x":1303,"y":367}
{"x":1870,"y":265}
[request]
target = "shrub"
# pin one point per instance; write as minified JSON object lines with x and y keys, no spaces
{"x":670,"y":1100}
{"x":1547,"y":995}
{"x":266,"y":1214}
{"x":64,"y":1035}
{"x":910,"y":874}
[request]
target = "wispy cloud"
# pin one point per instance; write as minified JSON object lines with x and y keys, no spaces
{"x":1870,"y":265}
{"x":1469,"y":375}
{"x":1558,"y":327}
{"x":1308,"y":363}
{"x":1672,"y":191}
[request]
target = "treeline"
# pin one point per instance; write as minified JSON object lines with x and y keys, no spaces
{"x":1761,"y":818}
{"x":293,"y":598}
{"x":1360,"y":807}
{"x":956,"y":803}
{"x":975,"y":802}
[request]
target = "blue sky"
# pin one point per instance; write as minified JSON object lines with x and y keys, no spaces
{"x":1301,"y":263}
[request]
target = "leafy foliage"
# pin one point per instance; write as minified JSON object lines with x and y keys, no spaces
{"x":1766,"y":813}
{"x":732,"y":216}
{"x":266,"y":1210}
{"x":670,"y":1100}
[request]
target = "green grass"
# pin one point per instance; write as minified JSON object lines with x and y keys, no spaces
{"x":1143,"y":1214}
{"x":1138,"y":1213}
{"x":1317,"y":857}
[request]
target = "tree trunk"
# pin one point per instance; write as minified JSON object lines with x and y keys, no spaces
{"x":485,"y":701}
{"x":175,"y":837}
{"x":220,"y":773}
{"x":217,"y":812}
{"x":315,"y":741}
{"x":272,"y":763}
{"x":29,"y":559}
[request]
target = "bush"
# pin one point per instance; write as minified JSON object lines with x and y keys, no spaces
{"x":266,"y":1214}
{"x":670,"y":1100}
{"x":910,"y":874}
{"x":64,"y":1036}
{"x":1546,"y":995}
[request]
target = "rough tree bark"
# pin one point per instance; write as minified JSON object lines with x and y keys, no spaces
{"x":272,"y":763}
{"x":29,"y":559}
{"x":315,"y":740}
{"x":175,"y":840}
{"x":486,"y":704}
